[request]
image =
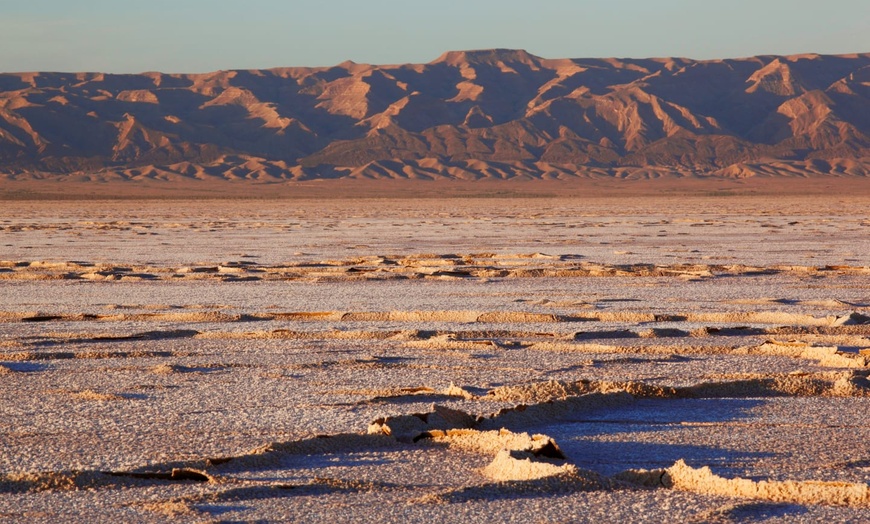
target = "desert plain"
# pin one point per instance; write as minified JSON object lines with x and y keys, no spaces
{"x":537,"y":358}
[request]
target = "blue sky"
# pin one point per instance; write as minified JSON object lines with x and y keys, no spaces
{"x":124,"y":36}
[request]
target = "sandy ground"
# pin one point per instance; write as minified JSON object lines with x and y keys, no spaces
{"x":690,"y":359}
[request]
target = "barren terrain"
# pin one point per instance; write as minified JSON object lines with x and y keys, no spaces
{"x":490,"y":114}
{"x":687,"y":358}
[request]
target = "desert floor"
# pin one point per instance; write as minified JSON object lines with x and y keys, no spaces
{"x":696,"y":358}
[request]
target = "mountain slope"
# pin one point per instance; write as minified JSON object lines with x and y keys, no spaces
{"x":470,"y":114}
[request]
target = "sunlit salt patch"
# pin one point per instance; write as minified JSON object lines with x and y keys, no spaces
{"x":682,"y":476}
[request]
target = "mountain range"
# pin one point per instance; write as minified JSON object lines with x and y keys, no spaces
{"x":468,"y":115}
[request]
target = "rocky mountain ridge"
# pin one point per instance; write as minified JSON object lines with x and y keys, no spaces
{"x":466,"y":115}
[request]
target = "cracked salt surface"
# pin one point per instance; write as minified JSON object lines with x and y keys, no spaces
{"x":264,"y":378}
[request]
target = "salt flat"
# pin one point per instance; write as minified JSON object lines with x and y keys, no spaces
{"x":468,"y":360}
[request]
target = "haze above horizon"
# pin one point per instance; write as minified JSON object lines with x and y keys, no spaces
{"x":201,"y":35}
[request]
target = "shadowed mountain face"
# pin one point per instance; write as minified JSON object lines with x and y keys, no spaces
{"x":475,"y":114}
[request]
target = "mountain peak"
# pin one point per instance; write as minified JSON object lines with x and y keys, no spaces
{"x":487,"y":57}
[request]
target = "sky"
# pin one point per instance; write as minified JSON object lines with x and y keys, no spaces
{"x":194,"y":36}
